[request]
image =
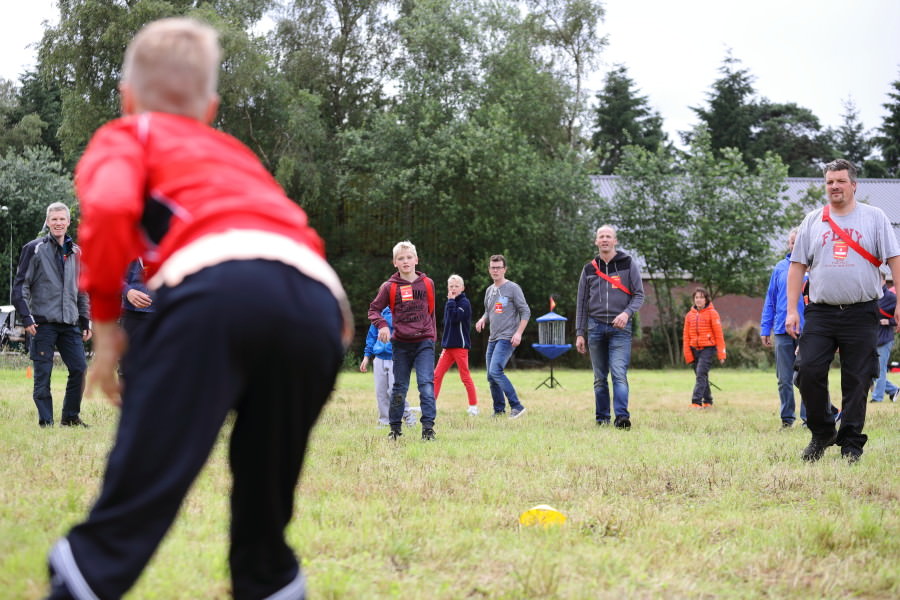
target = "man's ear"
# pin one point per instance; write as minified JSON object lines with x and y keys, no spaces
{"x":211,"y":109}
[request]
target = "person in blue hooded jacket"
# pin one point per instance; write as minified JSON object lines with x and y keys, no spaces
{"x":382,"y":358}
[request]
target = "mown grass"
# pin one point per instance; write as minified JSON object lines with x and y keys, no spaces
{"x":711,"y":504}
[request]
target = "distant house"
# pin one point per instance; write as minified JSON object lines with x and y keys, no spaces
{"x":737,"y":311}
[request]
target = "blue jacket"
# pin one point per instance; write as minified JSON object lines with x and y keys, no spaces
{"x":374,"y":347}
{"x":457,"y":322}
{"x":134,"y":280}
{"x":887,"y":303}
{"x":775,"y":304}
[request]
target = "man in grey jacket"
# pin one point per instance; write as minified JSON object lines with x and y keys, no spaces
{"x":54,"y":313}
{"x":610,"y":291}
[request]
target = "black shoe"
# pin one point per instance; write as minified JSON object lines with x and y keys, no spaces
{"x":394,"y":434}
{"x":427,"y":434}
{"x":816,"y":448}
{"x":73,"y":422}
{"x":602,"y":422}
{"x":43,"y":423}
{"x":499,"y":413}
{"x":786,"y":424}
{"x":622,"y":423}
{"x":851,"y":455}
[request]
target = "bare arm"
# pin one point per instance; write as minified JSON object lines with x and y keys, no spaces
{"x":794,"y":287}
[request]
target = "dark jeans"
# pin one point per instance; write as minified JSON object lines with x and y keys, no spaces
{"x":201,"y":360}
{"x":703,"y":360}
{"x":133,"y":322}
{"x":409,"y":356}
{"x":852,"y":330}
{"x":66,"y":339}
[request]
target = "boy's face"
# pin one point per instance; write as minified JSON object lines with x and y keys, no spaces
{"x":406,"y":262}
{"x":454,"y":288}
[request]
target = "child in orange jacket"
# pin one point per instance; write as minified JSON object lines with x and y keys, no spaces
{"x":703,"y":339}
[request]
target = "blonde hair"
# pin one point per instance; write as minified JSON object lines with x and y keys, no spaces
{"x":172,"y":66}
{"x":405,"y":245}
{"x":457,"y":279}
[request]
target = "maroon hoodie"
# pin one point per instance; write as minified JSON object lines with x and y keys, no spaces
{"x":413,"y":313}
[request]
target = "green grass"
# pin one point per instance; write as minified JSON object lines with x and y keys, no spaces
{"x":706,"y":504}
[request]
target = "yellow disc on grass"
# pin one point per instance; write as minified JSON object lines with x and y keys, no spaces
{"x":542,"y":514}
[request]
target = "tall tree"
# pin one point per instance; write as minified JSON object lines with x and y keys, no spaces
{"x":622,"y":118}
{"x":713,"y":220}
{"x":888,"y":138}
{"x":850,"y":140}
{"x":790,"y":131}
{"x":731,"y":111}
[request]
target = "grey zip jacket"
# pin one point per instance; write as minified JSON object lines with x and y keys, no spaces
{"x":599,"y":299}
{"x":46,"y":285}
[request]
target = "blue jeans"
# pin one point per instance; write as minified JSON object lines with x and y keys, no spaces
{"x":785,"y":353}
{"x":496,"y":357}
{"x":66,"y":339}
{"x":409,"y":355}
{"x":610,"y":353}
{"x":883,"y":385}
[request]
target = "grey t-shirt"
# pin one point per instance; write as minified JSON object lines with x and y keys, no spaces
{"x":838,"y":274}
{"x":504,"y":307}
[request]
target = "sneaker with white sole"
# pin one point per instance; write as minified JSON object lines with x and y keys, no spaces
{"x":516,"y":413}
{"x":472,"y":410}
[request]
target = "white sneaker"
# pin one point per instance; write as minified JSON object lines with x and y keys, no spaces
{"x":516,"y":413}
{"x":472,"y":410}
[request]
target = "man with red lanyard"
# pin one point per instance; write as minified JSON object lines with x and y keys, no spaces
{"x":609,"y":292}
{"x":843,"y":244}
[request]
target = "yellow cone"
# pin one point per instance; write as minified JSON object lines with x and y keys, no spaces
{"x":542,"y":514}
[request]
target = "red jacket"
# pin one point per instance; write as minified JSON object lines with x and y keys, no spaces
{"x":152,"y":183}
{"x":703,"y":328}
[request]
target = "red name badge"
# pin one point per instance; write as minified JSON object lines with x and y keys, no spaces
{"x":406,"y":293}
{"x":840,"y":250}
{"x":498,"y":307}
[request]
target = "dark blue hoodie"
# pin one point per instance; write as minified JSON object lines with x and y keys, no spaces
{"x":457,"y":322}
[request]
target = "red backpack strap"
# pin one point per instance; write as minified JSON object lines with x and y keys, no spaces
{"x":613,"y":282}
{"x":826,"y":216}
{"x":391,"y":300}
{"x":429,"y":287}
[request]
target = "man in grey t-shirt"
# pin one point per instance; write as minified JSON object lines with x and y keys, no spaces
{"x":843,"y":245}
{"x":507,"y":313}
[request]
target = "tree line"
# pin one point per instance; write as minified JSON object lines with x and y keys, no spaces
{"x":464,"y":126}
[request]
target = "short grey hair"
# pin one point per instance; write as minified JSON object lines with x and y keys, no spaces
{"x":841,"y":164}
{"x":59,"y":207}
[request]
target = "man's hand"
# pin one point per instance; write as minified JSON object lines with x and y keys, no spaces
{"x":86,"y":335}
{"x":138,"y":298}
{"x":792,"y":323}
{"x":384,"y":335}
{"x":109,"y":344}
{"x":479,"y":324}
{"x":516,"y":339}
{"x":620,"y":321}
{"x":766,"y":340}
{"x":579,"y":344}
{"x":31,"y":329}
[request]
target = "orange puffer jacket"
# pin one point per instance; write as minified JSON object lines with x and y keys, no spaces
{"x":702,"y":328}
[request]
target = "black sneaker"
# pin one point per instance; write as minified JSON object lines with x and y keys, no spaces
{"x":602,"y":422}
{"x":851,"y":455}
{"x":73,"y":422}
{"x":42,"y":423}
{"x":427,"y":434}
{"x":622,"y":423}
{"x":499,"y":413}
{"x":394,"y":434}
{"x":894,"y":396}
{"x":816,"y":448}
{"x":786,"y":424}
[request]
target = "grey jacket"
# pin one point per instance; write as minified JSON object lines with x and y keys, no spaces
{"x":46,"y":285}
{"x":598,"y":299}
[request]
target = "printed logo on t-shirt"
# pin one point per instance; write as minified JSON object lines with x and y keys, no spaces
{"x":499,"y":304}
{"x":406,"y":293}
{"x":616,"y":278}
{"x":840,"y":250}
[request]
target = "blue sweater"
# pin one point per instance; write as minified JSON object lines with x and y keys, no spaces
{"x":887,"y":303}
{"x":382,"y":350}
{"x":775,"y":304}
{"x":457,"y":322}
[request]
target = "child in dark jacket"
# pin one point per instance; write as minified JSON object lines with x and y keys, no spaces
{"x":456,"y":341}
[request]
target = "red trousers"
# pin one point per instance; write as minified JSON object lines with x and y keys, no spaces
{"x":460,"y":356}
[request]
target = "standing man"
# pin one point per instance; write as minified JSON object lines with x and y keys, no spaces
{"x":843,"y":244}
{"x":55,"y":314}
{"x":610,"y":291}
{"x":772,"y":322}
{"x":507,"y":312}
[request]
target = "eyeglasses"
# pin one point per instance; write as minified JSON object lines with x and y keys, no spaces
{"x":496,"y":268}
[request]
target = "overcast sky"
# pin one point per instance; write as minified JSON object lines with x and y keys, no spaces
{"x":817,"y":53}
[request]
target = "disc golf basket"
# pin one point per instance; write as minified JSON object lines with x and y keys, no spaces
{"x":551,"y":342}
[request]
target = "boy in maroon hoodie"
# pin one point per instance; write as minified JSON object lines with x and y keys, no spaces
{"x":410,"y":295}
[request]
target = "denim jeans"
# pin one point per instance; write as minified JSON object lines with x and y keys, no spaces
{"x":610,"y":353}
{"x":883,"y":385}
{"x":66,"y":339}
{"x":409,"y":356}
{"x":785,"y":352}
{"x":496,"y":357}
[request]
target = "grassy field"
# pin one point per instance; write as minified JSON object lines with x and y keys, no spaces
{"x":688,"y":504}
